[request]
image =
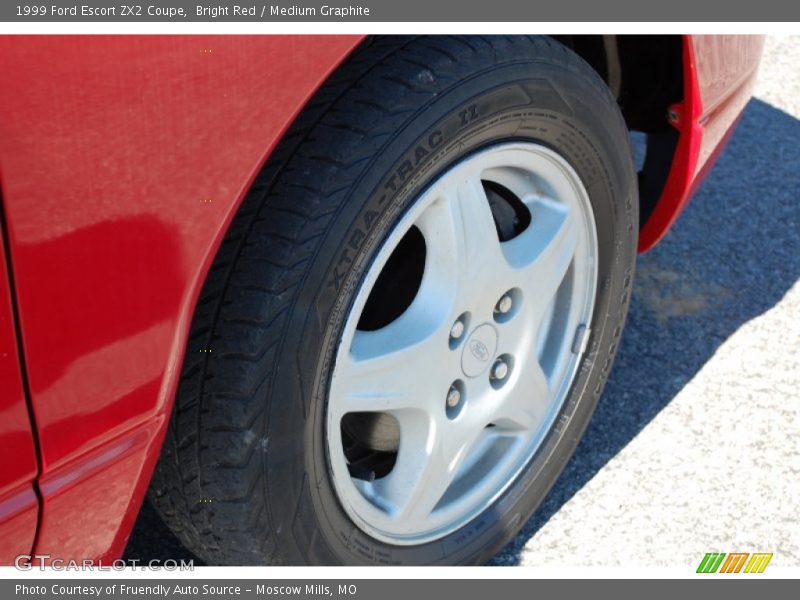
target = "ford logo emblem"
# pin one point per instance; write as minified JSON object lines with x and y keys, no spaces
{"x":479,"y":350}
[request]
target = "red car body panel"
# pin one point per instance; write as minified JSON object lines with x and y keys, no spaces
{"x":111,"y":241}
{"x":719,"y":73}
{"x":18,"y":503}
{"x":123,"y":161}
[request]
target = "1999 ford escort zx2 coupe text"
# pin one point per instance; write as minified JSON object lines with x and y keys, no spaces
{"x":331,"y":300}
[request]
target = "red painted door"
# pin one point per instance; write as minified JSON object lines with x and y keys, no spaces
{"x":18,"y":502}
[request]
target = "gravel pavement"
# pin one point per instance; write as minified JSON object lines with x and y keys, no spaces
{"x":694,"y":446}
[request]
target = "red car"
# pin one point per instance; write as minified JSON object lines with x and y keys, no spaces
{"x":331,"y":300}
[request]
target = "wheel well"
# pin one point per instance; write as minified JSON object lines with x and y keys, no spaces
{"x":645,"y":74}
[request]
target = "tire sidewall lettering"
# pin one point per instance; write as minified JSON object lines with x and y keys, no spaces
{"x":474,"y":124}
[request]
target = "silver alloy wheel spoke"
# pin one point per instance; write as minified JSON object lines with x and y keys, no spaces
{"x":382,"y":373}
{"x":459,"y":230}
{"x":417,"y":486}
{"x":452,"y":462}
{"x":523,"y":407}
{"x":543,"y":252}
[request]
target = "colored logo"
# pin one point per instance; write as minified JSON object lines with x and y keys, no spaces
{"x":734,"y":562}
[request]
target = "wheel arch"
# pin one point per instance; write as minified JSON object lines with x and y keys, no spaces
{"x":654,"y":81}
{"x":644,"y":106}
{"x":154,"y":155}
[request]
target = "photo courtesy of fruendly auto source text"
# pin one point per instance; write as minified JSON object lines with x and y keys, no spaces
{"x":381,"y":300}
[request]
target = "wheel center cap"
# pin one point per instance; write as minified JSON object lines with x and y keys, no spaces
{"x":479,"y":350}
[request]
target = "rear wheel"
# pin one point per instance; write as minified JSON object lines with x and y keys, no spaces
{"x":413,"y":315}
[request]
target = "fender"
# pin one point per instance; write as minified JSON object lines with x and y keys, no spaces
{"x":111,"y":242}
{"x":718,"y":77}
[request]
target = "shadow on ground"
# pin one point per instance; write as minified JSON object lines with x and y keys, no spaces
{"x":732,"y":255}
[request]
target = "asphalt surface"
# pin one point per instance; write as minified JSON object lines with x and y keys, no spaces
{"x":694,"y":447}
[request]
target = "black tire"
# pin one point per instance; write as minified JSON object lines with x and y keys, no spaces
{"x":243,"y":477}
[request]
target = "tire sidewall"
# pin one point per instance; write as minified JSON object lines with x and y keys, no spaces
{"x":565,"y":109}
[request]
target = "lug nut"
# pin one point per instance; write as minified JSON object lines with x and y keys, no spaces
{"x":453,"y":397}
{"x":457,"y":330}
{"x":499,"y":369}
{"x":504,"y":304}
